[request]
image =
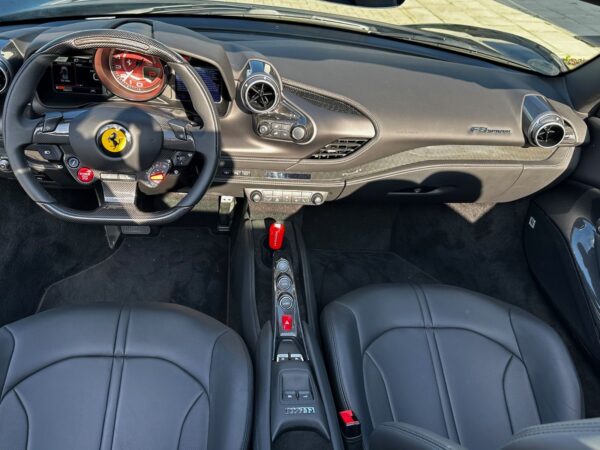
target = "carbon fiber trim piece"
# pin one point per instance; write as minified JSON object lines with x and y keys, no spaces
{"x":126,"y":40}
{"x":322,"y":101}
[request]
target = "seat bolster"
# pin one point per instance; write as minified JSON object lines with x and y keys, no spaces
{"x":551,"y":371}
{"x":344,"y":360}
{"x":398,"y":435}
{"x":231,"y":394}
{"x":572,"y":435}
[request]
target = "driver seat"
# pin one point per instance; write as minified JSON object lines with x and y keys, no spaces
{"x":144,"y":376}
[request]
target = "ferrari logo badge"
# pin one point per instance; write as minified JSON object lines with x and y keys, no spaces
{"x":114,"y":138}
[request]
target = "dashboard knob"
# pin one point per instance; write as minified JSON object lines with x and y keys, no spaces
{"x":298,"y":133}
{"x":317,"y":199}
{"x":256,"y":196}
{"x":263,"y":128}
{"x":4,"y":165}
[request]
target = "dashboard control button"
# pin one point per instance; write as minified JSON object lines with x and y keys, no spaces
{"x":182,"y":158}
{"x":49,"y":152}
{"x":317,"y":199}
{"x":298,"y":133}
{"x":256,"y":196}
{"x":284,"y":283}
{"x":286,"y":302}
{"x":73,"y":162}
{"x":263,"y":128}
{"x":4,"y":165}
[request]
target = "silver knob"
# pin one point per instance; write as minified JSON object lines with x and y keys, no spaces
{"x":298,"y":133}
{"x":256,"y":196}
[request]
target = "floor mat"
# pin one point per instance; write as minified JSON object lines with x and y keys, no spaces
{"x":336,"y":273}
{"x":188,"y":266}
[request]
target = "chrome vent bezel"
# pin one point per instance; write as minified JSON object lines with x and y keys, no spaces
{"x":543,"y":128}
{"x":251,"y":85}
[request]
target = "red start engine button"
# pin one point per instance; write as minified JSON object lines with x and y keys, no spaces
{"x":85,"y":175}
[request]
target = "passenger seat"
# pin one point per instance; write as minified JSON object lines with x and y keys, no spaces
{"x":439,"y":367}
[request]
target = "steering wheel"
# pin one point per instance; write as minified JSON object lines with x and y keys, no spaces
{"x":141,"y":135}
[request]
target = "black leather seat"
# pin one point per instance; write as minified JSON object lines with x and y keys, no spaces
{"x":437,"y":366}
{"x":144,"y":377}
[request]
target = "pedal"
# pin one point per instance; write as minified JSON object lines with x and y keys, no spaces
{"x":226,"y":210}
{"x":136,"y":230}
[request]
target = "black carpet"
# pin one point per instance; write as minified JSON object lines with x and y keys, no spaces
{"x":336,"y":273}
{"x":478,"y":247}
{"x":188,"y":266}
{"x":37,"y":250}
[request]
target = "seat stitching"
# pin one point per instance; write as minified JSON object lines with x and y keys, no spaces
{"x":508,"y":350}
{"x":9,"y":361}
{"x":524,"y":365}
{"x":159,"y":358}
{"x":186,"y":417}
{"x":26,"y":416}
{"x":439,"y":358}
{"x":385,"y":385}
{"x":112,"y":365}
{"x":397,"y":428}
{"x":112,"y":442}
{"x":338,"y":371}
{"x":512,"y":430}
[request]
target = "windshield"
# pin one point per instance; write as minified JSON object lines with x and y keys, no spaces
{"x":547,"y":36}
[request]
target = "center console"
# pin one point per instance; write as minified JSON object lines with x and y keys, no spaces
{"x":294,"y":403}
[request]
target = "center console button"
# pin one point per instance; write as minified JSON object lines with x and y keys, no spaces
{"x":286,"y":302}
{"x":283,"y":265}
{"x":284,"y":283}
{"x":263,"y":128}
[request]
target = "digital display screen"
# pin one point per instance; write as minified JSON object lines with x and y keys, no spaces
{"x":212,"y":79}
{"x":75,"y":74}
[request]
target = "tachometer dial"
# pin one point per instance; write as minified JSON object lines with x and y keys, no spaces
{"x":133,"y":76}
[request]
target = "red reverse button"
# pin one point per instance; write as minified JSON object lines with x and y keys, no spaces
{"x":85,"y":175}
{"x":276,"y":234}
{"x":287,"y":322}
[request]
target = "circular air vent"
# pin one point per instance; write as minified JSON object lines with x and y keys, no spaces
{"x":549,"y":135}
{"x":260,"y":94}
{"x":4,"y":78}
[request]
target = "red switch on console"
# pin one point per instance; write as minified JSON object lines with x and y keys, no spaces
{"x":276,"y":234}
{"x":287,"y":322}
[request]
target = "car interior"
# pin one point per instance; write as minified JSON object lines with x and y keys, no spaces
{"x":230,"y":227}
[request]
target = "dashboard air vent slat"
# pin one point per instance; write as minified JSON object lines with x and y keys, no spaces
{"x":340,"y":148}
{"x":261,"y":96}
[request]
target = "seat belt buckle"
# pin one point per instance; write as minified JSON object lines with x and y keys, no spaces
{"x":349,"y":423}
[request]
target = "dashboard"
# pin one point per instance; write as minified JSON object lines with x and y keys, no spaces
{"x":307,"y":122}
